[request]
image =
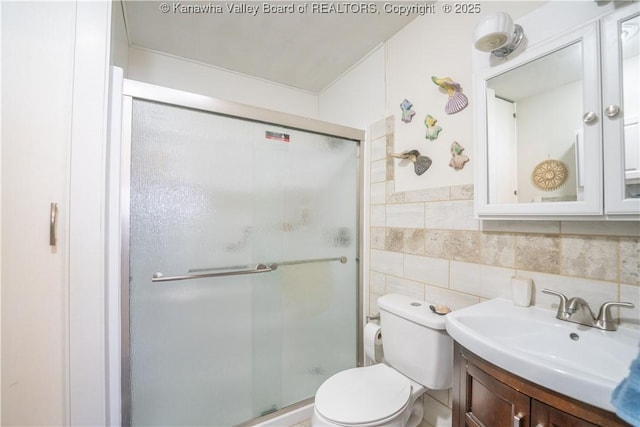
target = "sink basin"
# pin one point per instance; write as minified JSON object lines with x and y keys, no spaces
{"x":578,"y":361}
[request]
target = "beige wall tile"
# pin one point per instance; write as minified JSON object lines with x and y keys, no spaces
{"x":498,"y":249}
{"x":590,"y":257}
{"x":544,"y":227}
{"x":389,"y":143}
{"x":481,"y":280}
{"x":378,"y":129}
{"x":378,"y":216}
{"x":406,"y":215}
{"x":428,"y":195}
{"x":386,"y":262}
{"x":377,"y":283}
{"x":538,"y":253}
{"x":378,"y":149}
{"x":377,"y":238}
{"x":394,"y":239}
{"x":414,"y":241}
{"x":378,"y":193}
{"x":379,"y":171}
{"x":462,"y":192}
{"x":437,"y":243}
{"x":391,"y":195}
{"x":434,"y":271}
{"x":389,"y":168}
{"x":464,"y":246}
{"x":390,"y":123}
{"x":453,"y":299}
{"x":397,"y":285}
{"x":373,"y":304}
{"x":452,"y":215}
{"x":595,"y":292}
{"x":601,"y":228}
{"x":630,"y":260}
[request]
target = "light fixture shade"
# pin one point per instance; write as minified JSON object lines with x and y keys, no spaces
{"x":494,"y":31}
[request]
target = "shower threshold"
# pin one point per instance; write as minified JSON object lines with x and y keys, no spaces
{"x":284,"y":417}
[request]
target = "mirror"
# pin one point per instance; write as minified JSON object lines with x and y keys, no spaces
{"x":535,"y":128}
{"x":630,"y":42}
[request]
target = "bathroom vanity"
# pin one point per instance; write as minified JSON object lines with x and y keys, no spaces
{"x":485,"y":395}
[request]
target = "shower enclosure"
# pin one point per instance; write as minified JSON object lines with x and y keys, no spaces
{"x":240,"y":258}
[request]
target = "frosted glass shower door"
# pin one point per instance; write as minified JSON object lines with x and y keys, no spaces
{"x":211,"y":194}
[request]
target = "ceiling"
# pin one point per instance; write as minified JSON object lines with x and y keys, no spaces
{"x":307,"y":51}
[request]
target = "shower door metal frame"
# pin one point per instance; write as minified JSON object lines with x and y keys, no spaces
{"x":144,"y":91}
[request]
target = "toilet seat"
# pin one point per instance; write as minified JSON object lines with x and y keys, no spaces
{"x":366,"y":396}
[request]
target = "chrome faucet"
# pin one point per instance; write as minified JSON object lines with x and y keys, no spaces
{"x":577,"y":310}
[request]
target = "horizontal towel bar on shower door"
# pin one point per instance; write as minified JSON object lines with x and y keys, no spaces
{"x":260,"y":268}
{"x":342,"y":259}
{"x":275,"y":265}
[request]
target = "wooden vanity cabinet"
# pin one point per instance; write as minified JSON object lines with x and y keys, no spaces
{"x":485,"y":395}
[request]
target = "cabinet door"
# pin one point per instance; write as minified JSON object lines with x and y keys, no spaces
{"x":621,"y":104}
{"x":491,"y":403}
{"x":545,"y":416}
{"x":37,"y":84}
{"x":542,"y":156}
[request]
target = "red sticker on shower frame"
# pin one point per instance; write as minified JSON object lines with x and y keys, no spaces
{"x":277,"y":136}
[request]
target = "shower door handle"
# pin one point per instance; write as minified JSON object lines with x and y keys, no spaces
{"x":260,"y":268}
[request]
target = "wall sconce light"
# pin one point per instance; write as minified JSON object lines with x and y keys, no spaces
{"x":496,"y":33}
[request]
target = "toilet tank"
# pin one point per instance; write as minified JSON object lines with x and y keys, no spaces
{"x":415,"y":341}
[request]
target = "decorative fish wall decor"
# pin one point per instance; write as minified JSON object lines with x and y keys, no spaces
{"x":457,"y":100}
{"x":407,"y":112}
{"x":458,"y":160}
{"x":420,"y":163}
{"x":432,"y":129}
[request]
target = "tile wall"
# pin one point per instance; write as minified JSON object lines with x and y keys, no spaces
{"x":426,"y":244}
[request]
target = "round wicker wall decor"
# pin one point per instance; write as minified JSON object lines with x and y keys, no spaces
{"x":550,"y":175}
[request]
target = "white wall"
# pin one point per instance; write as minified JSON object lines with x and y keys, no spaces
{"x":416,"y":53}
{"x":357,"y":98}
{"x":119,"y":39}
{"x":179,"y":73}
{"x":540,"y":139}
{"x":435,"y":45}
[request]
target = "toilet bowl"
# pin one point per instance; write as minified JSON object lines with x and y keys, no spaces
{"x":418,"y":356}
{"x":372,"y":396}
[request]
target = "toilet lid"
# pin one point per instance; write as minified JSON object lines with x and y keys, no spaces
{"x":363,"y":395}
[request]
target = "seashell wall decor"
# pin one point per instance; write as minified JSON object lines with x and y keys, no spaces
{"x":432,"y":129}
{"x":420,"y":163}
{"x":458,"y":160}
{"x":407,"y":112}
{"x":457,"y":100}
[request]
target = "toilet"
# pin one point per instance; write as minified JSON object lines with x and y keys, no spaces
{"x":418,"y":356}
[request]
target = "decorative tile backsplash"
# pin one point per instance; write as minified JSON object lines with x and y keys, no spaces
{"x":428,"y":245}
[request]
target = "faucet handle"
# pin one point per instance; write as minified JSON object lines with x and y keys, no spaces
{"x":605,"y":318}
{"x":563,"y":307}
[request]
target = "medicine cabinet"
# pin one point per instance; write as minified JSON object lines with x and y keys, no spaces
{"x":557,"y":126}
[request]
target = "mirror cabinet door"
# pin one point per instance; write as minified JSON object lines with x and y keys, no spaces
{"x":621,"y":105}
{"x":542,"y":130}
{"x":535,"y":123}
